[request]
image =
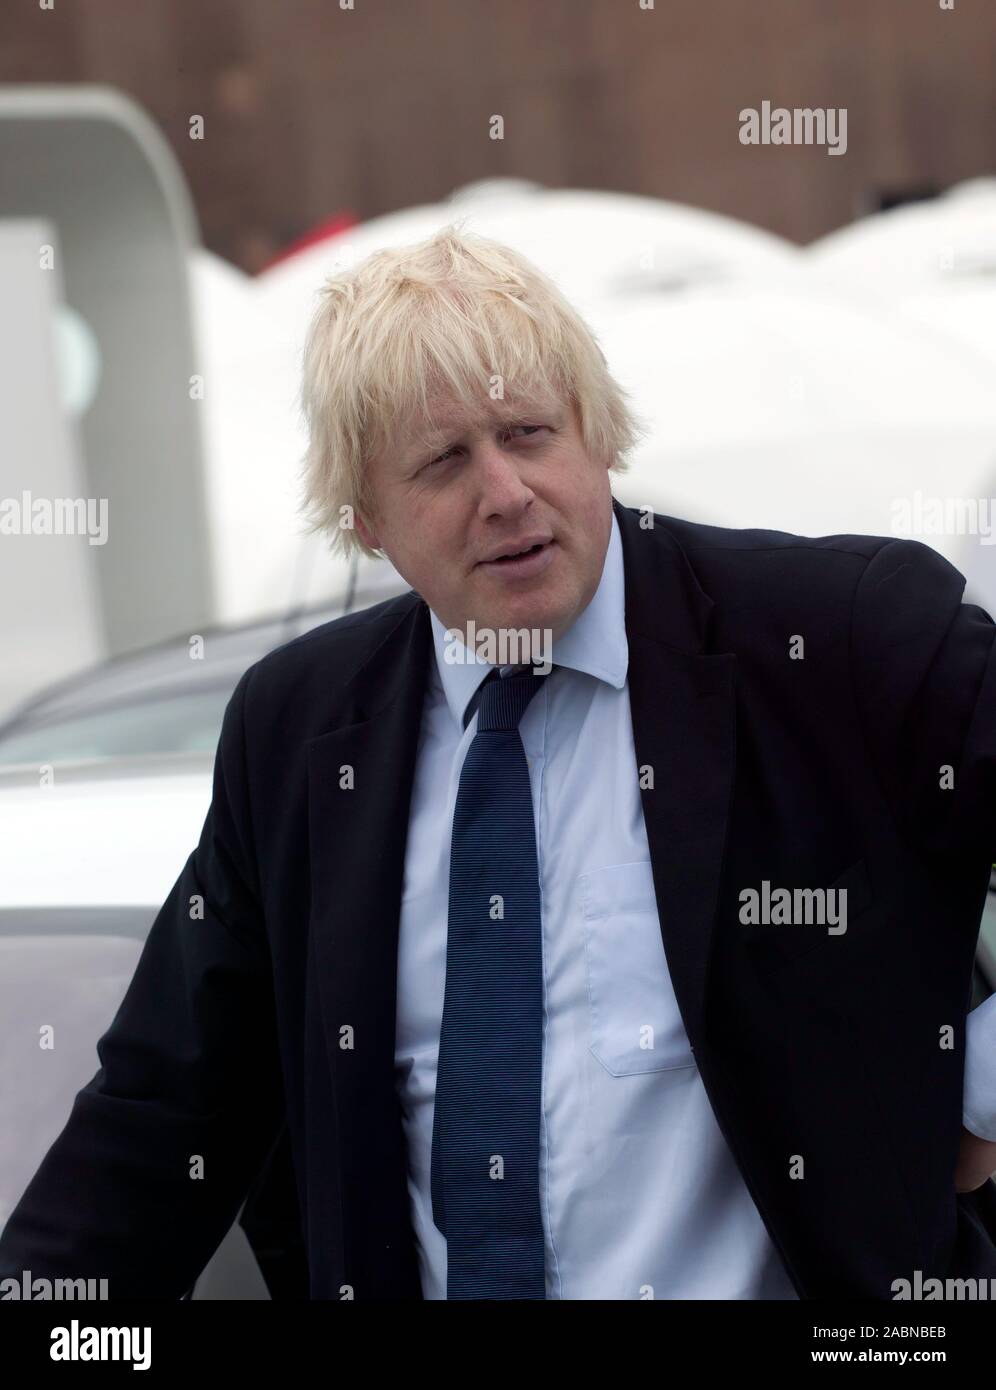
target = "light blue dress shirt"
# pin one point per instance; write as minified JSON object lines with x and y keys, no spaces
{"x":640,"y":1194}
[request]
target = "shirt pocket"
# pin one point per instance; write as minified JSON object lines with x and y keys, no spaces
{"x":634,"y":1021}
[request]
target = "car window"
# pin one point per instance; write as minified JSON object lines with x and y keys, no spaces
{"x":183,"y":722}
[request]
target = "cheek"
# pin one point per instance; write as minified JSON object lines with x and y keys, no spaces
{"x":431,"y":554}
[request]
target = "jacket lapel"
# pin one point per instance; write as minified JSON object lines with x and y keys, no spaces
{"x":683,"y":709}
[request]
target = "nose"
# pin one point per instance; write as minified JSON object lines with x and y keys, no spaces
{"x":502,"y":490}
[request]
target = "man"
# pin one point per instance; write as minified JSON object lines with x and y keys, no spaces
{"x":625,"y":953}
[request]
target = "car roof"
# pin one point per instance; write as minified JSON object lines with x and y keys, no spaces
{"x":166,"y":669}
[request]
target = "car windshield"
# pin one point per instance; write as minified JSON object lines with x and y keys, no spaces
{"x":182,"y":722}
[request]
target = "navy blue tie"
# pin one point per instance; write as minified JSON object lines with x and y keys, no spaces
{"x":486,"y":1126}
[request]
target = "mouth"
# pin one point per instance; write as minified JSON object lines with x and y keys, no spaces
{"x":521,"y":563}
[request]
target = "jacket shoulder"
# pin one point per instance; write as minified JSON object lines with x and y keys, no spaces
{"x":321,"y":662}
{"x":745,"y":564}
{"x":694,"y":536}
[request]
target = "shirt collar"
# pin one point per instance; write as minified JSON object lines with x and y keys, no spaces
{"x":595,"y":643}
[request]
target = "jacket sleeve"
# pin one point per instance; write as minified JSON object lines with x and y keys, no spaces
{"x":924,"y":666}
{"x":925,"y":678}
{"x":163,"y":1142}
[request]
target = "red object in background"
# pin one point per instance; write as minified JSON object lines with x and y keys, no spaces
{"x":325,"y":231}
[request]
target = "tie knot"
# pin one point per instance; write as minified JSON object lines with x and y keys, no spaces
{"x":502,"y":699}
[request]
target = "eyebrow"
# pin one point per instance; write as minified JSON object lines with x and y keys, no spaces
{"x":446,"y":435}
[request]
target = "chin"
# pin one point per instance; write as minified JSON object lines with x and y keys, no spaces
{"x":535,"y":614}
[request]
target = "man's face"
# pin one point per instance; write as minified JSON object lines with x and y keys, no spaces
{"x":481,"y":488}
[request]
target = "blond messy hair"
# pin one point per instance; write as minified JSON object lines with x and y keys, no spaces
{"x":445,"y":319}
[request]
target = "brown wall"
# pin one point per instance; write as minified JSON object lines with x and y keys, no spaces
{"x":312,"y":110}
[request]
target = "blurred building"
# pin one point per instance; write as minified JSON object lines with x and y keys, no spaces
{"x":311,"y":110}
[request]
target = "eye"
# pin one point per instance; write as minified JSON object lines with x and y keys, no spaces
{"x":507,"y":432}
{"x":441,"y":458}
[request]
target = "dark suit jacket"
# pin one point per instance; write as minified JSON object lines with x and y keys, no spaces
{"x":813,"y":772}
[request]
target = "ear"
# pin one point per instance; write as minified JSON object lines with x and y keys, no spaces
{"x":366,"y":535}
